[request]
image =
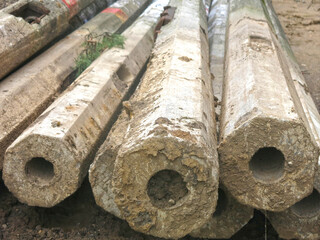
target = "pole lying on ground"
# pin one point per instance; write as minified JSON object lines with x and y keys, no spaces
{"x":268,"y":157}
{"x":302,"y":220}
{"x":38,"y":82}
{"x":27,"y":26}
{"x":48,"y":162}
{"x":165,"y":170}
{"x":230,"y":216}
{"x":296,"y":80}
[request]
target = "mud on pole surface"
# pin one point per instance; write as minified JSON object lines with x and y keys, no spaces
{"x":38,"y":82}
{"x":268,"y":157}
{"x":165,"y":176}
{"x":27,"y":26}
{"x":302,"y":220}
{"x":48,"y":162}
{"x":230,"y":216}
{"x":101,"y":170}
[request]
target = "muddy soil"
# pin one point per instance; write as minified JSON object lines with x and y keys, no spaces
{"x":5,"y":3}
{"x":78,"y":217}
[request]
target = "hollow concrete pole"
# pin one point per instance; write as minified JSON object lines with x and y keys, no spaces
{"x":49,"y":160}
{"x":229,"y":217}
{"x":28,"y":26}
{"x":268,"y":157}
{"x":42,"y":79}
{"x":165,"y":172}
{"x":302,"y":220}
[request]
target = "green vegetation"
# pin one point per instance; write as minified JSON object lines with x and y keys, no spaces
{"x":94,"y":46}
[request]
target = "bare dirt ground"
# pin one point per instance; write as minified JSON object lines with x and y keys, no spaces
{"x":301,"y":22}
{"x":79,"y":218}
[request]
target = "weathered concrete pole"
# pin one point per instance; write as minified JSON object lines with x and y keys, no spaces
{"x":41,"y":80}
{"x":268,"y":157}
{"x":296,"y":80}
{"x":165,"y":171}
{"x":27,"y":26}
{"x":302,"y":220}
{"x":217,"y":21}
{"x":48,"y":162}
{"x":230,"y":216}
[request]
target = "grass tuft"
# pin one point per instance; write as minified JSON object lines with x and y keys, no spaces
{"x":94,"y":46}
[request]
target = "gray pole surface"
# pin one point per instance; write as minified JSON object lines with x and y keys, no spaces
{"x":268,"y":157}
{"x":26,"y":93}
{"x":165,"y":176}
{"x":49,"y":161}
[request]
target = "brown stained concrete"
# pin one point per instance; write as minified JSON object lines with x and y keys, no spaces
{"x":302,"y":220}
{"x":229,"y":217}
{"x":19,"y":39}
{"x":165,"y":175}
{"x":268,"y":158}
{"x":49,"y":161}
{"x":43,"y":79}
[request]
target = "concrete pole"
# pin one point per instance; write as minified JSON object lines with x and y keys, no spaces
{"x":302,"y":220}
{"x":26,"y":27}
{"x":230,"y":216}
{"x":42,"y":79}
{"x":268,"y":157}
{"x":48,"y":162}
{"x":165,"y":172}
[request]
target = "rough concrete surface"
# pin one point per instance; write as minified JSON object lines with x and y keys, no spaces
{"x":79,"y":218}
{"x":49,"y":161}
{"x":217,"y":25}
{"x":267,"y":156}
{"x":302,"y":220}
{"x":165,"y":176}
{"x":42,"y":79}
{"x":101,"y":170}
{"x":26,"y":27}
{"x":229,"y":217}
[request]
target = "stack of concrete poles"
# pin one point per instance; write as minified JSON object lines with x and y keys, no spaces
{"x":230,"y":216}
{"x":302,"y":220}
{"x":158,"y":168}
{"x":268,"y":156}
{"x":49,"y":161}
{"x":26,"y":93}
{"x":27,"y":26}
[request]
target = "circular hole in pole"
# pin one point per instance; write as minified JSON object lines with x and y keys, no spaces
{"x":221,"y":204}
{"x":309,"y":206}
{"x":166,"y":188}
{"x":40,"y":168}
{"x":267,"y":164}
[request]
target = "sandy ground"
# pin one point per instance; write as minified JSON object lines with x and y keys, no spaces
{"x":79,"y":218}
